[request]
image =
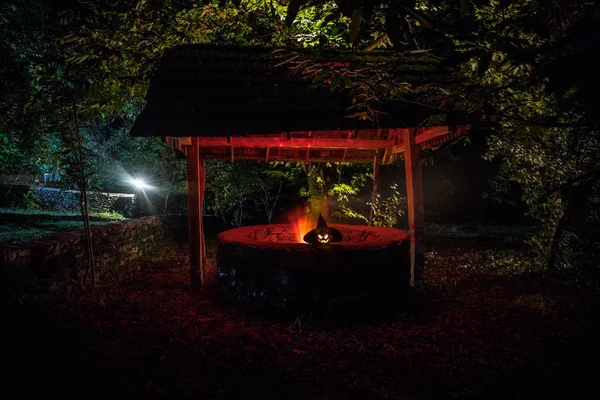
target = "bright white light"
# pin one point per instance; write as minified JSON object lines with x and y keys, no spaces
{"x":139,"y":184}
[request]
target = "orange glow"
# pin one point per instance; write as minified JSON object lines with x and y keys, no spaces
{"x":301,"y":222}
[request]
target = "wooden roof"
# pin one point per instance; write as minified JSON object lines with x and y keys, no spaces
{"x":242,"y":103}
{"x":206,"y":90}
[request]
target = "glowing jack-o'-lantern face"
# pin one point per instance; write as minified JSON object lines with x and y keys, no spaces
{"x":323,"y":234}
{"x":323,"y":238}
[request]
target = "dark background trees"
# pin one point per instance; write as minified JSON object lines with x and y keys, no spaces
{"x":521,"y":72}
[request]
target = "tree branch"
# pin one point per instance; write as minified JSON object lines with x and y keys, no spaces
{"x":380,"y":41}
{"x":541,"y":123}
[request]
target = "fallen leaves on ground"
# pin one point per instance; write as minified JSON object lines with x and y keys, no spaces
{"x":488,"y":324}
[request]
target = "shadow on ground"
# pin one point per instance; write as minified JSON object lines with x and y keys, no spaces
{"x":489,"y":326}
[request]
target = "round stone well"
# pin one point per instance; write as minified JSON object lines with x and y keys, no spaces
{"x":266,"y":265}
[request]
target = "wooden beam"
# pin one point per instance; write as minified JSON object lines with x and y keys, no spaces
{"x":334,"y":139}
{"x":194,"y":189}
{"x":208,"y":275}
{"x":440,"y":134}
{"x":300,"y":143}
{"x":416,"y":220}
{"x":393,"y":137}
{"x":431,"y":133}
{"x":201,"y":275}
{"x":391,"y":143}
{"x":180,"y":142}
{"x":346,"y":149}
{"x":300,"y":158}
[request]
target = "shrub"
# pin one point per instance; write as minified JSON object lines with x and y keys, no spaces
{"x":386,"y":212}
{"x":31,"y":201}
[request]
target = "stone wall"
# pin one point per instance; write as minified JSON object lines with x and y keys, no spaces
{"x":115,"y":247}
{"x":55,"y":199}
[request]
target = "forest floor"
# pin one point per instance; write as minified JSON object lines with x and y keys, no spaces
{"x":489,"y":326}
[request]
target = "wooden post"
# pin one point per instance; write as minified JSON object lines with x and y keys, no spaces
{"x":376,"y":163}
{"x":416,"y":219}
{"x":205,"y":274}
{"x":195,"y":197}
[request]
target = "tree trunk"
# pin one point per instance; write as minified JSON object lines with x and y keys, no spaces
{"x":376,"y":162}
{"x":414,"y":197}
{"x":575,"y":200}
{"x":269,"y":208}
{"x":554,"y":242}
{"x":166,"y":205}
{"x":83,"y":200}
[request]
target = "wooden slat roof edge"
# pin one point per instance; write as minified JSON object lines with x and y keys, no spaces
{"x":390,"y":143}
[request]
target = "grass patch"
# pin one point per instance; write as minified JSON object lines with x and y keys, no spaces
{"x":468,"y":230}
{"x":105,"y":214}
{"x":478,"y":235}
{"x":21,"y":226}
{"x":13,"y":234}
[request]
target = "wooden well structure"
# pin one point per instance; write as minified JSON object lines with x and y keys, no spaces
{"x":215,"y":102}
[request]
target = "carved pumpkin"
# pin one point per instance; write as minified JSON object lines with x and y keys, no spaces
{"x":323,"y":238}
{"x":323,"y":234}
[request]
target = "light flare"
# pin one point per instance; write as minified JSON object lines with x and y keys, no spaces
{"x":140,"y":184}
{"x":300,"y":220}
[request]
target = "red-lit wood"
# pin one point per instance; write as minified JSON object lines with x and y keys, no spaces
{"x":390,"y":145}
{"x":416,"y":219}
{"x":199,"y":275}
{"x":205,"y":274}
{"x":389,"y":140}
{"x":259,"y":157}
{"x":431,"y":133}
{"x":294,"y":143}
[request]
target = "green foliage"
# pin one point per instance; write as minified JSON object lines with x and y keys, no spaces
{"x":96,"y":65}
{"x":119,"y":46}
{"x":555,"y":169}
{"x":382,"y":211}
{"x":22,"y":155}
{"x":331,"y":184}
{"x":493,"y":63}
{"x":111,"y":214}
{"x":10,"y":154}
{"x":113,"y":156}
{"x":545,"y":152}
{"x":65,"y":201}
{"x":241,"y":189}
{"x":502,"y":58}
{"x":341,"y":197}
{"x":32,"y":201}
